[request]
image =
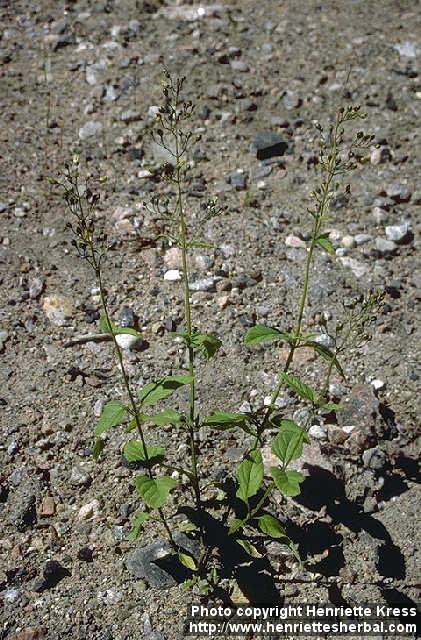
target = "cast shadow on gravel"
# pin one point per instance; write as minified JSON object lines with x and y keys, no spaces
{"x":324,"y":489}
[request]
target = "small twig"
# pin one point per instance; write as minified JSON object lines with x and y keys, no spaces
{"x":88,"y":337}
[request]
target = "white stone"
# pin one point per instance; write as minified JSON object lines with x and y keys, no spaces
{"x":318,"y":431}
{"x":294,"y":241}
{"x":172,"y":275}
{"x":172,"y":258}
{"x":127,"y":341}
{"x":348,"y":242}
{"x":397,"y":232}
{"x":89,"y":510}
{"x":57,"y":309}
{"x":377,"y":384}
{"x":359,"y":269}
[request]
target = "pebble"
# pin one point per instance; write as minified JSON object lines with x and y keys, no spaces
{"x":374,"y":458}
{"x":110,"y":596}
{"x":127,"y":341}
{"x":294,"y":241}
{"x":318,"y":431}
{"x":89,"y":510}
{"x":378,"y":385}
{"x":29,"y":633}
{"x":130,"y":116}
{"x":91,"y":129}
{"x":203,"y":262}
{"x":52,"y":573}
{"x":126,"y":317}
{"x":205,"y":284}
{"x":399,"y":233}
{"x":36,"y":287}
{"x":121,"y":213}
{"x":79,"y":477}
{"x":359,"y":269}
{"x":268,"y":144}
{"x":380,"y":155}
{"x":47,"y":507}
{"x":407,"y":49}
{"x":385,"y":247}
{"x":291,"y":100}
{"x":362,"y":238}
{"x":325,"y":340}
{"x":348,"y":242}
{"x":263,"y":310}
{"x":398,"y":192}
{"x":238,"y":181}
{"x":124,"y":227}
{"x":11,"y":596}
{"x":57,"y":309}
{"x":172,"y":258}
{"x":172,"y":275}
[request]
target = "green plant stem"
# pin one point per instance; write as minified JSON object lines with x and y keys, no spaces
{"x":187,"y":308}
{"x":318,"y":221}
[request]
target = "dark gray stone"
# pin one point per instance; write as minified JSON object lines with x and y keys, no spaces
{"x":268,"y":144}
{"x":52,"y":574}
{"x":143,"y":561}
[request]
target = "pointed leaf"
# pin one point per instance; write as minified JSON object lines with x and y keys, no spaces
{"x":98,"y":447}
{"x":324,"y":242}
{"x":155,"y":391}
{"x":167,"y":416}
{"x":301,"y":388}
{"x":249,"y":548}
{"x":207,"y":344}
{"x":235,"y":525}
{"x":261,"y":333}
{"x":271,"y":526}
{"x":187,"y":561}
{"x":225,"y":420}
{"x":288,"y":444}
{"x":113,"y":414}
{"x":139,"y":520}
{"x":326,"y":354}
{"x":134,"y":451}
{"x":250,"y":475}
{"x":155,"y":491}
{"x":288,"y":482}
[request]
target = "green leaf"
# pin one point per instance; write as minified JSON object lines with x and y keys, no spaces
{"x":187,"y":561}
{"x":155,"y":391}
{"x":324,"y":242}
{"x":134,"y":451}
{"x":326,"y":354}
{"x":288,"y":481}
{"x":113,"y":414}
{"x":250,"y":475}
{"x":300,"y":388}
{"x":199,"y":243}
{"x":98,"y":447}
{"x":139,"y":520}
{"x":207,"y":344}
{"x":155,"y":491}
{"x":235,"y":525}
{"x":249,"y":548}
{"x":331,"y":406}
{"x":261,"y":333}
{"x":288,"y":444}
{"x":108,"y":326}
{"x":225,"y":420}
{"x":271,"y":526}
{"x":167,"y":416}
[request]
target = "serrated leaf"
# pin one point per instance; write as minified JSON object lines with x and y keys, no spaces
{"x":271,"y":526}
{"x":187,"y":561}
{"x":288,"y":444}
{"x":301,"y":388}
{"x":138,"y":521}
{"x":250,"y":475}
{"x":134,"y":451}
{"x":235,"y":525}
{"x":324,"y":242}
{"x":98,"y":447}
{"x":167,"y":416}
{"x":261,"y":333}
{"x":207,"y":344}
{"x":155,"y":491}
{"x":288,"y":481}
{"x":225,"y":420}
{"x":113,"y":414}
{"x":155,"y":391}
{"x":249,"y":548}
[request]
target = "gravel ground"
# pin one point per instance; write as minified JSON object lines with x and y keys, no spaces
{"x":85,"y":77}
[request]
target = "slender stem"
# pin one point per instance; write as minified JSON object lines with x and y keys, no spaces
{"x":183,"y":246}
